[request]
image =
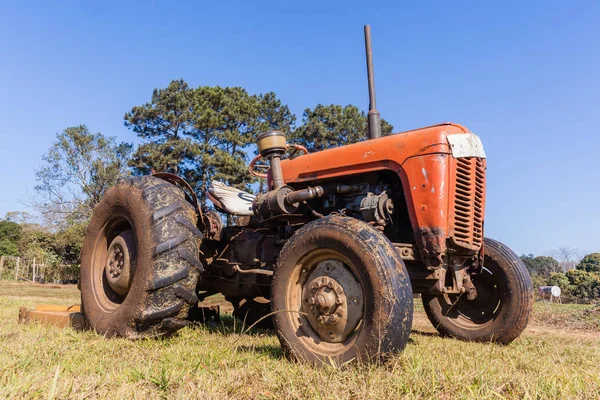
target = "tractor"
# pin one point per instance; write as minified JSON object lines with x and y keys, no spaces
{"x":332,"y":254}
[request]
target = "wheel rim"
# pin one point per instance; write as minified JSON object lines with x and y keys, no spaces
{"x":486,"y":307}
{"x":113,"y":263}
{"x":326,"y":290}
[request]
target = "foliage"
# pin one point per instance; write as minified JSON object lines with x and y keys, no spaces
{"x":557,"y":279}
{"x":79,"y":167}
{"x":590,"y":263}
{"x":8,"y":248}
{"x":203,"y":133}
{"x":164,"y":124}
{"x":541,"y":265}
{"x":333,"y":125}
{"x":584,"y":285}
{"x":68,"y":242}
{"x":10,"y":235}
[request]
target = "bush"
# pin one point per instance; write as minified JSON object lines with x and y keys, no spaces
{"x":584,"y":285}
{"x":590,"y":263}
{"x":558,"y":279}
{"x":580,"y":285}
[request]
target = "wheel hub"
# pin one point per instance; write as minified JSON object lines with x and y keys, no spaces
{"x":326,"y":299}
{"x":120,"y":263}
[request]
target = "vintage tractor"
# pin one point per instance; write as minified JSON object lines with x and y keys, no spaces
{"x":334,"y":250}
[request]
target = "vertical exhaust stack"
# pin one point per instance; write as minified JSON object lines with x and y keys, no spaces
{"x":374,"y":123}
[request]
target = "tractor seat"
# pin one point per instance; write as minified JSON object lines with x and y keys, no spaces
{"x":229,"y":199}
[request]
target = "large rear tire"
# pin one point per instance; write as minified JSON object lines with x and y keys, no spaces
{"x":503,"y":305}
{"x":340,"y":293}
{"x":140,"y":260}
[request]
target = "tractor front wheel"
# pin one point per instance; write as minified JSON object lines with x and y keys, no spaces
{"x":500,"y":311}
{"x":340,"y":293}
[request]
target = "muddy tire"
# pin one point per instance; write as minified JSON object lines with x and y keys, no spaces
{"x":252,"y":311}
{"x":140,"y":263}
{"x":503,"y":305}
{"x":340,"y":293}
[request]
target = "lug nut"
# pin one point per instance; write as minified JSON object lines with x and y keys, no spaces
{"x":333,"y":318}
{"x":339,"y":301}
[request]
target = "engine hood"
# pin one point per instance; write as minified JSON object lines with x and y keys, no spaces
{"x":389,"y":152}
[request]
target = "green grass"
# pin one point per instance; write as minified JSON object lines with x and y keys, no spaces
{"x":549,"y":360}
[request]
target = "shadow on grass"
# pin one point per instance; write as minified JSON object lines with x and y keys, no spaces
{"x":272,"y":351}
{"x":424,"y":333}
{"x":229,"y":325}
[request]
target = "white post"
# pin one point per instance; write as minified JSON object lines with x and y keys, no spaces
{"x":1,"y":266}
{"x":17,"y":269}
{"x":33,"y":273}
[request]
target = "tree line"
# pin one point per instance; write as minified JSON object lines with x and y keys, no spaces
{"x":577,"y":280}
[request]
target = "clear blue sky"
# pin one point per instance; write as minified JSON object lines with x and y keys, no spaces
{"x":524,"y":75}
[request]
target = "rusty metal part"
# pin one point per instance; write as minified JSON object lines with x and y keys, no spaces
{"x":470,"y":289}
{"x":407,"y":251}
{"x":244,"y":266}
{"x":255,"y":160}
{"x":377,"y":208}
{"x":305,"y":194}
{"x":176,"y":179}
{"x":286,"y":200}
{"x":432,"y":246}
{"x":276,"y":174}
{"x":333,"y":300}
{"x":373,"y":116}
{"x":272,"y":146}
{"x":213,"y":225}
{"x":120,"y":262}
{"x":58,"y":316}
{"x":274,"y":203}
{"x":266,"y":272}
{"x":467,"y":195}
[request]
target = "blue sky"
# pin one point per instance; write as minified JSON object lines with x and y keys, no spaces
{"x":523,"y":75}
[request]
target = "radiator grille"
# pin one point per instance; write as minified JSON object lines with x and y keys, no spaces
{"x":469,"y":202}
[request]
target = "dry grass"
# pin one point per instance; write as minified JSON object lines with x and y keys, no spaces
{"x":548,"y":361}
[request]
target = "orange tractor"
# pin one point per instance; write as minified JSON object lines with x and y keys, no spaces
{"x":331,"y":255}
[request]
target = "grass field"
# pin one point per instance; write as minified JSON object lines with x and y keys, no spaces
{"x":557,"y":357}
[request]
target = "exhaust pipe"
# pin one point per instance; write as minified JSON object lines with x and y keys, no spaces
{"x":374,"y":123}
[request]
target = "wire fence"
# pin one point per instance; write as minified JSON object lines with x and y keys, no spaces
{"x":20,"y":269}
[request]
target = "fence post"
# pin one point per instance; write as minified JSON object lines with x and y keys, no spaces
{"x":33,"y":272}
{"x":1,"y":266}
{"x":17,"y":269}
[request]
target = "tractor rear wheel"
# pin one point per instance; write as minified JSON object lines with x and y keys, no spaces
{"x":341,"y":292}
{"x":140,"y":262}
{"x":500,"y":311}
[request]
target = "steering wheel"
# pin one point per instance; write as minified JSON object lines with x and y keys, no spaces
{"x":251,"y":167}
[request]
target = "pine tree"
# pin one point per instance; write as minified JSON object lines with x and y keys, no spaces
{"x":333,"y":125}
